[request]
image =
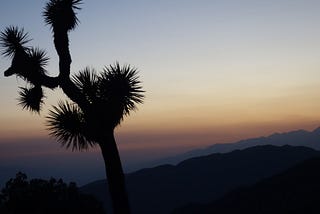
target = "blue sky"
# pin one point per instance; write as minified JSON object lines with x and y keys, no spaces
{"x":214,"y":71}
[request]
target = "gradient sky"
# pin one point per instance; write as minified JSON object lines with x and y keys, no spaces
{"x":214,"y":71}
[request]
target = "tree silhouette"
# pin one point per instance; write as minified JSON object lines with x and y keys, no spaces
{"x":98,"y":101}
{"x":23,"y":196}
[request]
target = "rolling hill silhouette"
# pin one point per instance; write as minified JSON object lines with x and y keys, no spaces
{"x":300,"y":137}
{"x":160,"y":189}
{"x":294,"y":191}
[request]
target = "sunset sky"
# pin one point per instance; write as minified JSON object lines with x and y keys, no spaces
{"x":214,"y":71}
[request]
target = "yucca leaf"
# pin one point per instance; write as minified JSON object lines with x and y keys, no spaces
{"x":13,"y":39}
{"x":66,"y":123}
{"x":34,"y":66}
{"x":29,"y":65}
{"x":60,"y":14}
{"x":86,"y":80}
{"x":39,"y":60}
{"x":31,"y":98}
{"x":120,"y":90}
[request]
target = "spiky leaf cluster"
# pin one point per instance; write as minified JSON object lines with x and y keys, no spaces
{"x":111,"y":95}
{"x":60,"y":14}
{"x":66,"y":123}
{"x":13,"y":39}
{"x":38,"y":60}
{"x":87,"y":81}
{"x":120,"y":91}
{"x":27,"y":63}
{"x":31,"y":98}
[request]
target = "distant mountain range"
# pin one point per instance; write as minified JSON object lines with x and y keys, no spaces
{"x":203,"y":179}
{"x":293,"y":138}
{"x":294,"y":191}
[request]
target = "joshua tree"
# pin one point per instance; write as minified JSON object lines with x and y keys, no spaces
{"x":98,"y":101}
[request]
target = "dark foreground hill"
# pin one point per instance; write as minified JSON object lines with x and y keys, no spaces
{"x":294,"y":191}
{"x":200,"y":180}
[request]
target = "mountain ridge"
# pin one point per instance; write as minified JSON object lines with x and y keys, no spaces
{"x":297,"y":137}
{"x":160,"y":189}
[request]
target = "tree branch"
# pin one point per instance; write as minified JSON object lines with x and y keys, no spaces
{"x":61,"y":42}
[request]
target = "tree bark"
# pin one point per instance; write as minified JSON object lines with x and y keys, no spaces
{"x":115,"y":175}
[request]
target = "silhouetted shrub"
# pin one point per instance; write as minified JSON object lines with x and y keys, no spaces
{"x":39,"y":196}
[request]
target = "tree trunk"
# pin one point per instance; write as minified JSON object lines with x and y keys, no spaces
{"x":115,"y":175}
